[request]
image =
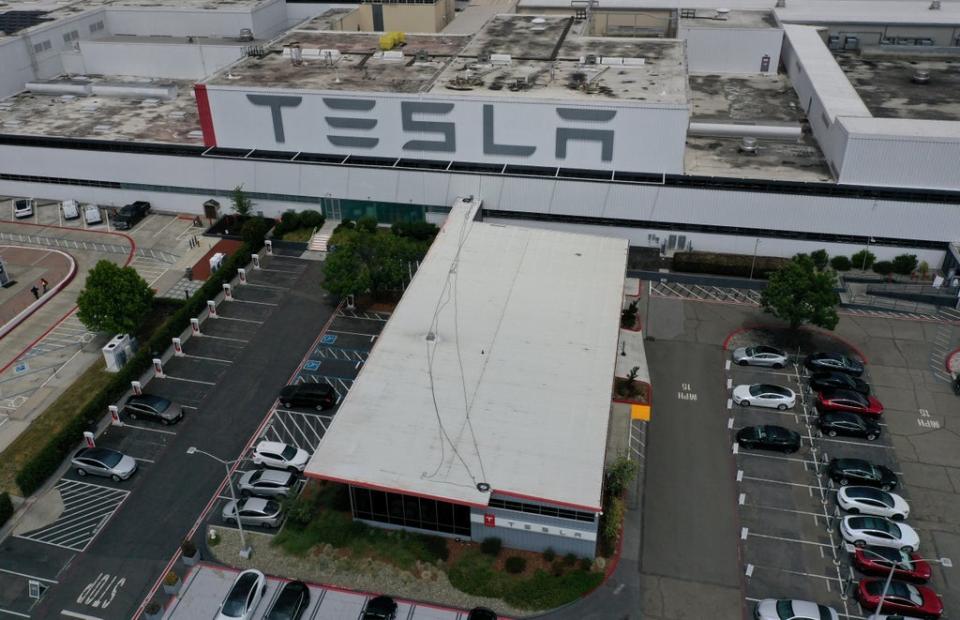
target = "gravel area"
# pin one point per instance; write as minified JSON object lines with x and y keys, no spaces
{"x":322,"y":566}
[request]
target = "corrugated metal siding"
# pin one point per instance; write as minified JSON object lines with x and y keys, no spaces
{"x":929,"y":163}
{"x":731,"y":50}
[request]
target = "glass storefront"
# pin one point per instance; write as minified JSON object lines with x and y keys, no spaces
{"x":411,"y":511}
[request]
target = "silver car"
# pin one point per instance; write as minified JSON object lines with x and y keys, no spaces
{"x":792,"y":609}
{"x":760,"y":355}
{"x":253,"y":511}
{"x":153,"y":407}
{"x":267,"y":483}
{"x":103,"y":462}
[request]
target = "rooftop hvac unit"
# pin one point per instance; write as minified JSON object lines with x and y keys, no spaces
{"x":483,"y":57}
{"x":589,"y":59}
{"x":392,"y":56}
{"x":501,"y":59}
{"x":781,"y":4}
{"x":611,"y":60}
{"x":245,"y":35}
{"x":935,"y":5}
{"x":421,"y":56}
{"x":748,"y":145}
{"x":330,"y":55}
{"x":722,"y":14}
{"x":920,"y":76}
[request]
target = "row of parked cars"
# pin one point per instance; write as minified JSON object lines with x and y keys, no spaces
{"x":874,"y":516}
{"x":123,"y":218}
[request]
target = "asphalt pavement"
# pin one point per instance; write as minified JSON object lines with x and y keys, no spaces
{"x":117,"y":569}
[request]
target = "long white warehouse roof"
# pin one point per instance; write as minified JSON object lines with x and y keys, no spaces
{"x":513,"y":386}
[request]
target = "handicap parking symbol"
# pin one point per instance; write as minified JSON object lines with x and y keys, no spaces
{"x":311,"y":365}
{"x":21,"y":368}
{"x":328,"y":339}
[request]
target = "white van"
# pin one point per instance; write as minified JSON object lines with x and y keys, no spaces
{"x":91,"y":213}
{"x":71,"y":209}
{"x":23,"y":207}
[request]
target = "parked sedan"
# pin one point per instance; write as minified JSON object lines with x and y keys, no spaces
{"x":317,"y":396}
{"x":380,"y":608}
{"x":769,"y":437}
{"x":764,"y":395}
{"x":787,"y":609}
{"x":878,"y":560}
{"x":834,"y":361}
{"x":482,"y":613}
{"x":880,"y":532}
{"x":899,"y":597}
{"x":267,"y":483}
{"x":860,"y":472}
{"x":103,"y":462}
{"x":835,"y":423}
{"x":253,"y":511}
{"x":280,"y":456}
{"x":290,"y":604}
{"x":873,"y":501}
{"x":848,"y":400}
{"x":153,"y":408}
{"x":835,"y":380}
{"x":761,"y":355}
{"x":244,"y":596}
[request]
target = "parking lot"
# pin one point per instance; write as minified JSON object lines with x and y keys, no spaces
{"x":206,"y":586}
{"x":336,"y":358}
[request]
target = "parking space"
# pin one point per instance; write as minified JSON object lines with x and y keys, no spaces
{"x":696,"y":292}
{"x":790,"y":543}
{"x":206,"y":586}
{"x":86,"y":508}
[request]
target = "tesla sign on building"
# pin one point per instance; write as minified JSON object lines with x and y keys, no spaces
{"x":616,"y":135}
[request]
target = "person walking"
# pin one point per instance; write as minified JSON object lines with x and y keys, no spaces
{"x":35,"y":291}
{"x":44,"y":284}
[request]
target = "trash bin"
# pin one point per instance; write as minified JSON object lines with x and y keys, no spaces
{"x":188,"y":273}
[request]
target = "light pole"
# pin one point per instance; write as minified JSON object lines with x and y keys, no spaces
{"x":866,"y":253}
{"x":244,"y":549}
{"x":945,"y":562}
{"x":754,"y":263}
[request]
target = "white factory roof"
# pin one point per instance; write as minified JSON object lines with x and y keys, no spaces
{"x":525,"y":325}
{"x":913,"y":12}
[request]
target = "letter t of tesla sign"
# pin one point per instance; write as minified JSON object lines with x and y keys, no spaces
{"x":489,"y":519}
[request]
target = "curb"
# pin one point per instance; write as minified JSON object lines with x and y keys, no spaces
{"x":740,"y":330}
{"x":27,"y":312}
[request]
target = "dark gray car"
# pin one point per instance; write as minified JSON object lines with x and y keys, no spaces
{"x":153,"y":407}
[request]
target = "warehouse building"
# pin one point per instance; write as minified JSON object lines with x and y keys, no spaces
{"x":752,"y":128}
{"x":483,"y":410}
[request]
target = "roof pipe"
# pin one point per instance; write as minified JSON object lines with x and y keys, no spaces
{"x":731,"y":130}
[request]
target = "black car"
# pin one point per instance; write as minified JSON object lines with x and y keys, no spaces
{"x":482,"y":613}
{"x":127,"y":216}
{"x":833,"y":423}
{"x":380,"y":608}
{"x":290,"y":604}
{"x":860,"y":472}
{"x":769,"y":437}
{"x":317,"y":395}
{"x":154,"y":408}
{"x":834,"y":361}
{"x":832,"y":380}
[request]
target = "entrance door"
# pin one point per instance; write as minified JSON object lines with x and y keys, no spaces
{"x":377,"y":17}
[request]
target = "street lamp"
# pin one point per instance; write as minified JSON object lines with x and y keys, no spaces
{"x":866,"y":253}
{"x":754,"y":263}
{"x":945,"y":562}
{"x":244,"y":549}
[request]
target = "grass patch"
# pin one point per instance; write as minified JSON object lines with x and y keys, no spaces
{"x":475,"y":574}
{"x":299,"y":235}
{"x":317,"y":518}
{"x":33,"y":440}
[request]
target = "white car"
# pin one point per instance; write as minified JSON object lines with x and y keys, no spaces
{"x":871,"y":501}
{"x":71,"y":209}
{"x":760,"y":356}
{"x":893,"y":617}
{"x":764,"y":395}
{"x":91,"y":214}
{"x":280,"y":456}
{"x":244,"y":596}
{"x":861,"y":531}
{"x":23,"y":207}
{"x":787,"y":609}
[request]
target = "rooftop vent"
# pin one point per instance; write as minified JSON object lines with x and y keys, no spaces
{"x":104,"y":128}
{"x":421,"y":56}
{"x":935,"y":5}
{"x":781,"y":4}
{"x":538,"y":20}
{"x":196,"y":134}
{"x":748,"y":145}
{"x":483,"y":57}
{"x":296,"y":53}
{"x":245,"y":35}
{"x":920,"y":76}
{"x":501,"y":59}
{"x":589,"y":59}
{"x":722,"y":14}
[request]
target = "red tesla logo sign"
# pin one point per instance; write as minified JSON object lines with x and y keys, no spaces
{"x":490,"y":519}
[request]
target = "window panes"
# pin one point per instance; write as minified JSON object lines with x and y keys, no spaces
{"x":411,"y":511}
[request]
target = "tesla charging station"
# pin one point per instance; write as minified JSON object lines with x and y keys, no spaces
{"x":177,"y":347}
{"x":158,"y":367}
{"x":256,"y":260}
{"x":242,"y":273}
{"x":212,"y":307}
{"x":137,"y":388}
{"x":269,"y":245}
{"x":227,"y":292}
{"x":88,"y":438}
{"x":195,"y":326}
{"x":115,"y":416}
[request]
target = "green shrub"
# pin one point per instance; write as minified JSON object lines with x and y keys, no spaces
{"x":346,"y":224}
{"x":367,"y":223}
{"x":610,"y":526}
{"x":545,"y":591}
{"x":255,"y":229}
{"x":863,"y":259}
{"x":549,"y":554}
{"x":905,"y":264}
{"x":570,"y":559}
{"x":419,"y":230}
{"x":737,"y":265}
{"x":491,"y":546}
{"x":883,"y":267}
{"x":619,"y":474}
{"x":556,"y":569}
{"x":586,"y":564}
{"x":820,"y":259}
{"x":6,"y":508}
{"x":841,"y":263}
{"x":515,"y":564}
{"x":436,"y":546}
{"x":311,"y":219}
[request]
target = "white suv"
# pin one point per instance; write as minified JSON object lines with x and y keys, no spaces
{"x":280,"y":456}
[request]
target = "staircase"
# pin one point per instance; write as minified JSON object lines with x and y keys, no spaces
{"x":318,"y":241}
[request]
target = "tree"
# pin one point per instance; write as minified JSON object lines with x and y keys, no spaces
{"x":114,"y":299}
{"x":254,"y":230}
{"x":863,"y":259}
{"x":841,"y":263}
{"x":798,"y":293}
{"x":241,"y":203}
{"x":905,"y":264}
{"x":820,"y":259}
{"x":345,"y":272}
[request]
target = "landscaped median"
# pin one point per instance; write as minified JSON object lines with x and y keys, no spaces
{"x":320,"y":542}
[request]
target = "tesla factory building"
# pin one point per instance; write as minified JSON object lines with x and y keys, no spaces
{"x":483,"y":410}
{"x":775,"y":129}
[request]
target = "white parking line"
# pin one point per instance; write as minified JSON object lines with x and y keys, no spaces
{"x":337,"y":331}
{"x":295,"y":272}
{"x":220,"y":317}
{"x":799,"y":541}
{"x":791,"y":484}
{"x":208,"y":359}
{"x":276,"y":288}
{"x":865,"y":444}
{"x":247,"y":301}
{"x":777,"y":458}
{"x":815,"y":515}
{"x":203,"y":335}
{"x":136,"y":458}
{"x":146,"y":428}
{"x":188,"y":380}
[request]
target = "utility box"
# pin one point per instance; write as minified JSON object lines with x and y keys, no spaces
{"x":116,"y":352}
{"x":216,"y":262}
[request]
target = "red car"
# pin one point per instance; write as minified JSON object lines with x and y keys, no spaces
{"x":848,"y":400}
{"x":901,"y":598}
{"x":909,"y":565}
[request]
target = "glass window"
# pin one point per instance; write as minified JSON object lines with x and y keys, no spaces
{"x":378,"y":499}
